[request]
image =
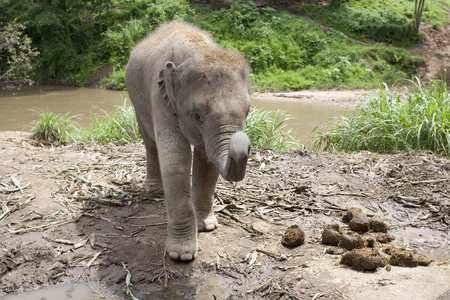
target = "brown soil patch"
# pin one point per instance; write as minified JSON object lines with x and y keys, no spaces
{"x":79,"y":213}
{"x":436,"y":49}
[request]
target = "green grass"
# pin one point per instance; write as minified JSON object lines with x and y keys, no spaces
{"x":417,"y":120}
{"x":267,"y":129}
{"x":362,"y":24}
{"x":120,"y":126}
{"x":264,"y":128}
{"x":55,"y":128}
{"x":434,"y":12}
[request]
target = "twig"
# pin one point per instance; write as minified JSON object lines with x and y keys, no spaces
{"x":42,"y":227}
{"x":318,"y":295}
{"x":97,"y":292}
{"x":147,"y":225}
{"x":96,"y":255}
{"x":262,"y":287}
{"x":429,"y":181}
{"x":271,"y":254}
{"x":346,"y":194}
{"x":244,"y":225}
{"x":80,"y":178}
{"x":6,"y":210}
{"x":128,"y":281}
{"x":240,"y":196}
{"x":342,"y":294}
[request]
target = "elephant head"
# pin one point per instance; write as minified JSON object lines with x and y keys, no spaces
{"x":211,"y":103}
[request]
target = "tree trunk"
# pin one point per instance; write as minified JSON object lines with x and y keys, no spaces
{"x":418,"y":9}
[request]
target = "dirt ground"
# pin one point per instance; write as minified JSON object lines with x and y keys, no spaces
{"x":76,"y":214}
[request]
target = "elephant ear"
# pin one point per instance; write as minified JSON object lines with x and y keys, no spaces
{"x":166,"y":85}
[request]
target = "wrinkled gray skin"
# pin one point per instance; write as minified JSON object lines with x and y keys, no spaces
{"x":188,"y":91}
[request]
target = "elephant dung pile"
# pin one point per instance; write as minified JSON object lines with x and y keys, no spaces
{"x":365,"y":246}
{"x":293,"y":237}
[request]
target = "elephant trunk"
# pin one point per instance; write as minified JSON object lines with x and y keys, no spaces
{"x":232,"y":164}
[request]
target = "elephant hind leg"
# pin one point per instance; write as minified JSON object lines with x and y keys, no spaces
{"x":154,"y":180}
{"x":204,"y":179}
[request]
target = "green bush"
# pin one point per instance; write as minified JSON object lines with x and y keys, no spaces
{"x":417,"y":120}
{"x":115,"y":81}
{"x":161,"y":11}
{"x":118,"y":41}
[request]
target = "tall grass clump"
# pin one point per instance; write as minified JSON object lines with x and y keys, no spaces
{"x":54,"y":128}
{"x":417,"y":120}
{"x":267,"y":129}
{"x":120,"y":126}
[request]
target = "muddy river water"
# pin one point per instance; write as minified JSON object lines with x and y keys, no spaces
{"x":20,"y":107}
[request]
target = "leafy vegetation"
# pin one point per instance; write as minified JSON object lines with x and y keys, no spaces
{"x":118,"y":126}
{"x":76,"y":38}
{"x":267,"y":129}
{"x":115,"y":81}
{"x":286,"y":52}
{"x":417,"y":120}
{"x":15,"y":56}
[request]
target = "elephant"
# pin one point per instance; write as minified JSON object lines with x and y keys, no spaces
{"x":191,"y":99}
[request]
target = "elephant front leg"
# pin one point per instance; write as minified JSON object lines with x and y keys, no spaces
{"x":204,"y":179}
{"x":175,"y":159}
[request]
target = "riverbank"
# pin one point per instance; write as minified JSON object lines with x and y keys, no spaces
{"x":345,"y":98}
{"x":74,"y":214}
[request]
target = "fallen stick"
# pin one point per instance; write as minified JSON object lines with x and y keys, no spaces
{"x":429,"y":181}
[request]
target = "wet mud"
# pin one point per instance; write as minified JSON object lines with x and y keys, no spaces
{"x":78,"y":217}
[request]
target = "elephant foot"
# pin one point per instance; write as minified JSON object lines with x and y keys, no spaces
{"x":183,"y":250}
{"x":153,"y":186}
{"x":206,"y":223}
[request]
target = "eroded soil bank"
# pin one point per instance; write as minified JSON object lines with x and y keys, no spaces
{"x":79,"y":213}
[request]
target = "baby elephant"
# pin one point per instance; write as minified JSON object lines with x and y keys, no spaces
{"x":187,"y":91}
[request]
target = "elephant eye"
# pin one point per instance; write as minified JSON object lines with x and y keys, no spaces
{"x":197,"y":117}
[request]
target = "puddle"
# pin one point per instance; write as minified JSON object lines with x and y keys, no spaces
{"x":59,"y":292}
{"x":428,"y":241}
